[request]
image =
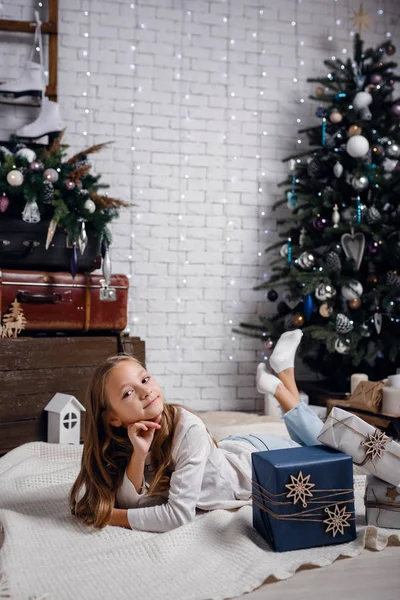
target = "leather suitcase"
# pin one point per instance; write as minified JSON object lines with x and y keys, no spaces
{"x":22,"y":246}
{"x":57,"y":302}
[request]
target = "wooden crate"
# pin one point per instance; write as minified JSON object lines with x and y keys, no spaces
{"x":33,"y":369}
{"x":377,"y":419}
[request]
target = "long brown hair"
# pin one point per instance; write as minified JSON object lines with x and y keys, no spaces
{"x":107,"y":451}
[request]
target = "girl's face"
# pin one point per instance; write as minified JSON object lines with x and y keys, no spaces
{"x":133,"y":395}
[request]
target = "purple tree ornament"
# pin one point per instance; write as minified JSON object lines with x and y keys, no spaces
{"x":373,"y":247}
{"x":74,"y":262}
{"x":376,"y":79}
{"x":4,"y":202}
{"x":396,"y":109}
{"x":319,"y":224}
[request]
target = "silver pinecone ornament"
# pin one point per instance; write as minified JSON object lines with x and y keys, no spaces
{"x":343,"y":323}
{"x":333,"y":261}
{"x":288,"y":323}
{"x":48,"y":191}
{"x":373,"y":215}
{"x":392,"y":279}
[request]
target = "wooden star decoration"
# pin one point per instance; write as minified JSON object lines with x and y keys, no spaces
{"x":361,"y":19}
{"x":375,"y":444}
{"x":392,"y":493}
{"x":300,"y":488}
{"x":337,"y":520}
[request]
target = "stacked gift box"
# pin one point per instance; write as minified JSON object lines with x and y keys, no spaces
{"x":304,"y":496}
{"x":374,"y":453}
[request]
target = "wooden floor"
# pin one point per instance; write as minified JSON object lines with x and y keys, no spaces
{"x":369,"y":576}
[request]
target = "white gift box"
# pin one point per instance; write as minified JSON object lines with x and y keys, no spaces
{"x":372,"y":450}
{"x":382,"y":503}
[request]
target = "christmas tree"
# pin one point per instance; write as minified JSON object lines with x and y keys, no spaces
{"x":338,"y":267}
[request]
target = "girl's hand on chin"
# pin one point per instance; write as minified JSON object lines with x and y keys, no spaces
{"x":141,"y":435}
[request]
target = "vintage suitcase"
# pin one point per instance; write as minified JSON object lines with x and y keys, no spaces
{"x":57,"y":302}
{"x":33,"y":369}
{"x":23,"y":246}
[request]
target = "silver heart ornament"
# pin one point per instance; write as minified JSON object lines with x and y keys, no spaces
{"x":353,"y":246}
{"x":289,"y":300}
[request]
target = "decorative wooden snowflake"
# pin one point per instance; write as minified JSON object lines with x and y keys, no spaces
{"x":337,"y":520}
{"x":392,"y":493}
{"x":300,"y":488}
{"x":375,"y":444}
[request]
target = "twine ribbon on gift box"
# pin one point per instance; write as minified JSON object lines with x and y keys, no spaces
{"x":374,"y":442}
{"x":395,"y":506}
{"x":338,"y":518}
{"x":381,"y":504}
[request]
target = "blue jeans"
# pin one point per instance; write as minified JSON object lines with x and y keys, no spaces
{"x":302,"y":424}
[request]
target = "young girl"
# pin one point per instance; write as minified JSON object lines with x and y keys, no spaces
{"x":149,"y":465}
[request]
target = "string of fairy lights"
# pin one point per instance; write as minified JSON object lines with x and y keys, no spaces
{"x":229,"y":117}
{"x":134,"y":219}
{"x":180,"y":196}
{"x":185,"y":133}
{"x":86,"y":59}
{"x":261,"y":166}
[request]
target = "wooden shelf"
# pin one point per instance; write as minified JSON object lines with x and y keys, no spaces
{"x":49,"y":28}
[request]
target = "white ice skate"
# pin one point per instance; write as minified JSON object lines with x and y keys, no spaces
{"x":31,"y":83}
{"x":49,"y":123}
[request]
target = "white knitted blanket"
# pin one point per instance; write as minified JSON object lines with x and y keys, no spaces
{"x":47,"y":555}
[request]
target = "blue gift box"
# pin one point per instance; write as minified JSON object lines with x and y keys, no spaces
{"x":303,"y":497}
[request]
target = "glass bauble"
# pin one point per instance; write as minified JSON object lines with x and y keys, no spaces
{"x":90,"y":206}
{"x":362,"y":100}
{"x":355,"y":303}
{"x":396,"y":109}
{"x":26,"y":153}
{"x":393,"y":150}
{"x":352,"y":289}
{"x":354,"y":130}
{"x":50,"y":175}
{"x":15,"y":178}
{"x":306,"y":260}
{"x":69,"y":184}
{"x":357,"y":146}
{"x":272,"y":295}
{"x":342,"y":347}
{"x":359,"y":182}
{"x":324,"y":292}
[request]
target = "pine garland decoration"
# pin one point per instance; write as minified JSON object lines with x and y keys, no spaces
{"x":56,"y":200}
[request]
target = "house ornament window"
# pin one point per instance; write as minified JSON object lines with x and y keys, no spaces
{"x":70,"y":420}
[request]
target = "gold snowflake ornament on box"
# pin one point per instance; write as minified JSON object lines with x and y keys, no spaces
{"x":337,"y":520}
{"x":300,"y":488}
{"x":375,"y":444}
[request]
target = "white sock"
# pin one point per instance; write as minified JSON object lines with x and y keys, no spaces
{"x":265,"y":382}
{"x":285,"y":350}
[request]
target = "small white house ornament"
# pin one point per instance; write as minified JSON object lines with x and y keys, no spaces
{"x":64,"y":419}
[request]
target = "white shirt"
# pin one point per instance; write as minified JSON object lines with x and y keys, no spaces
{"x":205,"y":477}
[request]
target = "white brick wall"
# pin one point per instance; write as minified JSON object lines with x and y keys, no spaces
{"x":189,"y":283}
